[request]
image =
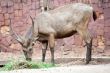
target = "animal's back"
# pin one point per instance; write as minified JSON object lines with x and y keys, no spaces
{"x":73,"y":13}
{"x":72,"y":6}
{"x":62,"y":21}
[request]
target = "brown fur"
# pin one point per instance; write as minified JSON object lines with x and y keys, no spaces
{"x":60,"y":23}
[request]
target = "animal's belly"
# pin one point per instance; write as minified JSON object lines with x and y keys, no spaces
{"x":59,"y":35}
{"x":66,"y":31}
{"x":64,"y":35}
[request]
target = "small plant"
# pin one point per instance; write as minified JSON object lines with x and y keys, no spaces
{"x":12,"y":65}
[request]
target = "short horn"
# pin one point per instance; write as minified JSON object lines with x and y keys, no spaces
{"x":14,"y":35}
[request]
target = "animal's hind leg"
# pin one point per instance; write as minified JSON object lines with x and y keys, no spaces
{"x":88,"y":53}
{"x":45,"y":45}
{"x":82,"y":29}
{"x":88,"y":40}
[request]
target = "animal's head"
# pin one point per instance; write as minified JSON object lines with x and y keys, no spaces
{"x":27,"y":40}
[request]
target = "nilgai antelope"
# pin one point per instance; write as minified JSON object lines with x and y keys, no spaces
{"x":59,"y":23}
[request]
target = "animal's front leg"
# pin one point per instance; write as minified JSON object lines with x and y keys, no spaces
{"x":51,"y":45}
{"x":45,"y":44}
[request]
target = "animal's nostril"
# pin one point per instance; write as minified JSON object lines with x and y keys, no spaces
{"x":30,"y":49}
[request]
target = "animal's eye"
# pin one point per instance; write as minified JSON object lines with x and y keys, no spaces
{"x":32,"y":43}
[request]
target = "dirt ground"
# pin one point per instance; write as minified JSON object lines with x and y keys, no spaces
{"x":65,"y":64}
{"x":59,"y":61}
{"x":104,"y":68}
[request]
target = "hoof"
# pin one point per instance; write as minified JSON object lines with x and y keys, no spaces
{"x":87,"y":62}
{"x":28,"y":59}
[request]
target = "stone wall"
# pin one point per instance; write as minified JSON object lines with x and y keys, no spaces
{"x":17,"y":13}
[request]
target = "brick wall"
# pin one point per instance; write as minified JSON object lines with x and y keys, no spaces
{"x":106,"y":9}
{"x":18,"y":12}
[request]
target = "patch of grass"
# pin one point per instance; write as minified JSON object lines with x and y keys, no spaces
{"x":12,"y":65}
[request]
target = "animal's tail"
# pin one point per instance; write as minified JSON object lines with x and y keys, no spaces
{"x":95,"y":15}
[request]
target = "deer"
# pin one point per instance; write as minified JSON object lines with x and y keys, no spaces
{"x":58,"y":23}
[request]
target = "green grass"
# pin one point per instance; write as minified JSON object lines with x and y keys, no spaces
{"x":12,"y":65}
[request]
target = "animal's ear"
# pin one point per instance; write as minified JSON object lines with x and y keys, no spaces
{"x":14,"y":35}
{"x":98,"y":13}
{"x":30,"y":32}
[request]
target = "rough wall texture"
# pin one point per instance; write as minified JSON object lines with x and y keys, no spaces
{"x":106,"y":10}
{"x":18,"y":12}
